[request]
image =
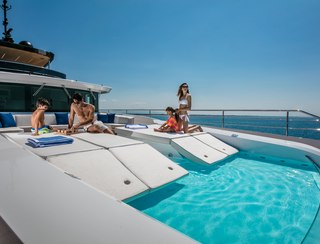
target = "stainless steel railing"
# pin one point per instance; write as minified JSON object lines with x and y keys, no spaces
{"x":287,"y":114}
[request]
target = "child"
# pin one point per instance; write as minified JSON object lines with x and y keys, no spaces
{"x":171,"y":125}
{"x":37,"y":118}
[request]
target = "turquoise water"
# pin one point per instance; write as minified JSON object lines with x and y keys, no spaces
{"x":244,"y":199}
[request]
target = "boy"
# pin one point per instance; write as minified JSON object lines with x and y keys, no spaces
{"x":37,"y":118}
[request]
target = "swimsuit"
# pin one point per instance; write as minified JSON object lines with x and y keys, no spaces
{"x":184,"y":117}
{"x":42,"y":130}
{"x":97,"y":123}
{"x":183,"y":101}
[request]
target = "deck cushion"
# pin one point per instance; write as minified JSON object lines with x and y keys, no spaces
{"x":111,"y":118}
{"x":76,"y":146}
{"x":101,"y":170}
{"x":61,"y":118}
{"x":7,"y":120}
{"x":103,"y":118}
{"x":150,"y":166}
{"x":106,"y":118}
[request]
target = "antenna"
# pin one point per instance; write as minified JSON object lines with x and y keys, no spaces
{"x":7,"y":32}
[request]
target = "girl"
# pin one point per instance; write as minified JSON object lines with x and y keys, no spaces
{"x":171,"y":125}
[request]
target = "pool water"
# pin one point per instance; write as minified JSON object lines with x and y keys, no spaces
{"x":244,"y":199}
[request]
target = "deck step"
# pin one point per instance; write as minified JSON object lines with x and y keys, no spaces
{"x":101,"y":170}
{"x":150,"y":166}
{"x":216,"y":143}
{"x":195,"y":150}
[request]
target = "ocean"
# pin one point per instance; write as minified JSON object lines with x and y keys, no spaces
{"x":304,"y":127}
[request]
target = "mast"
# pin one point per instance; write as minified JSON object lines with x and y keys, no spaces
{"x":7,"y":32}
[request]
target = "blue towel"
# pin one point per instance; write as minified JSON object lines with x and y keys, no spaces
{"x":49,"y":141}
{"x":136,"y":126}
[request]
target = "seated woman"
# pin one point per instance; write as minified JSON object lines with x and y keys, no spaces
{"x":171,"y":125}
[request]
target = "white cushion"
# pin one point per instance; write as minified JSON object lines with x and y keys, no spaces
{"x":101,"y":170}
{"x":149,"y":165}
{"x":106,"y":140}
{"x":76,"y":146}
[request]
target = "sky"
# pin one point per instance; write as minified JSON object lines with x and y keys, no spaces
{"x":234,"y":54}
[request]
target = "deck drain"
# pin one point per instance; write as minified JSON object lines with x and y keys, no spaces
{"x":205,"y":156}
{"x":170,"y":168}
{"x":127,"y":182}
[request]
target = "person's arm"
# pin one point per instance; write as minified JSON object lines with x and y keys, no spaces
{"x":163,"y":125}
{"x":71,"y":117}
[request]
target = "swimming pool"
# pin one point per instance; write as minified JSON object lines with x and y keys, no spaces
{"x":247,"y":198}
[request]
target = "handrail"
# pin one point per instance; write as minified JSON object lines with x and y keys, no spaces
{"x":287,"y":113}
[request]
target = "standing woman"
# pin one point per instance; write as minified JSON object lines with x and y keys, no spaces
{"x":184,"y":105}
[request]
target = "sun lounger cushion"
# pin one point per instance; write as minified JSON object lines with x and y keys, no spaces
{"x":136,"y":126}
{"x":106,"y":118}
{"x":49,"y":141}
{"x":61,"y":118}
{"x":7,"y":120}
{"x":111,"y":118}
{"x":103,"y":118}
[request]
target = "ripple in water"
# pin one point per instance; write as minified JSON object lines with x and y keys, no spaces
{"x":244,"y":199}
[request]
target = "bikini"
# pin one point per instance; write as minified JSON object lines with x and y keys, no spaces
{"x":184,"y":117}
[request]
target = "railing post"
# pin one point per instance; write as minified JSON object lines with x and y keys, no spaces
{"x":222,"y":118}
{"x":287,"y":124}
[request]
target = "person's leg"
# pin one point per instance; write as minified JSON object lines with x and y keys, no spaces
{"x":107,"y":130}
{"x":185,"y":125}
{"x":94,"y":129}
{"x":195,"y":128}
{"x":101,"y":128}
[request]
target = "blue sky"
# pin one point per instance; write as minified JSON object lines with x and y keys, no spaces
{"x":234,"y":54}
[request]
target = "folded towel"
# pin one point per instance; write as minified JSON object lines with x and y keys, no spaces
{"x":136,"y":126}
{"x":49,"y":141}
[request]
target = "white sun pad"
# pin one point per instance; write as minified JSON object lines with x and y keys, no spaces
{"x":41,"y":204}
{"x":149,"y":134}
{"x":216,"y":143}
{"x":76,"y":146}
{"x":197,"y":151}
{"x":101,"y":170}
{"x":106,"y":140}
{"x":150,"y":166}
{"x":200,"y":147}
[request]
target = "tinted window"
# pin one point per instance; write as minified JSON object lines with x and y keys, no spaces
{"x":19,"y":98}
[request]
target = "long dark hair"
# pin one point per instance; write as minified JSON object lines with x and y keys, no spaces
{"x":173,"y":111}
{"x":180,"y":93}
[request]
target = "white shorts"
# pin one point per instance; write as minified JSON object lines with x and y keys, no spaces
{"x":97,"y":123}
